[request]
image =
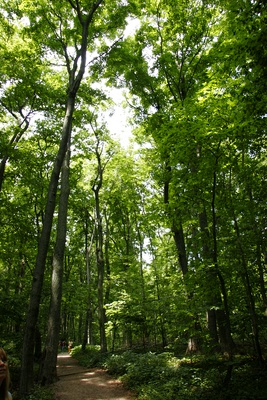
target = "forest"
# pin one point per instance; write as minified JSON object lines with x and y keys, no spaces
{"x":155,"y":248}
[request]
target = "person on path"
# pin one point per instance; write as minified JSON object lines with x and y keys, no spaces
{"x":4,"y":377}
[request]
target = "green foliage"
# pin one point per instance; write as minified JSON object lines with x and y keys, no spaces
{"x":90,"y":357}
{"x":154,"y":376}
{"x":148,"y":368}
{"x":40,"y":393}
{"x":118,"y":364}
{"x":195,"y":72}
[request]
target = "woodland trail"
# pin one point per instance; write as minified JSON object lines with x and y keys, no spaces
{"x":76,"y":382}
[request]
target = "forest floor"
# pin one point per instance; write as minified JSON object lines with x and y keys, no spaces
{"x":76,"y":382}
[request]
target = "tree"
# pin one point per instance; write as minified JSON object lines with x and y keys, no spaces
{"x":190,"y":90}
{"x":75,"y":68}
{"x":179,"y":226}
{"x":165,"y":75}
{"x":48,"y":372}
{"x":99,"y":238}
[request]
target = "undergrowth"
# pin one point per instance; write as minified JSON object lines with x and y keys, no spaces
{"x":157,"y":376}
{"x":40,"y":393}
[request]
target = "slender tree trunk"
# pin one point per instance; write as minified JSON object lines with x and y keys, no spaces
{"x":212,"y":328}
{"x":179,"y":239}
{"x":207,"y":256}
{"x":262,"y":280}
{"x":100,"y":275}
{"x":49,"y":373}
{"x":222,"y":309}
{"x":143,"y":293}
{"x":107,"y":262}
{"x":88,"y":329}
{"x":178,"y":234}
{"x":161,"y":317}
{"x":215,"y":316}
{"x":26,"y":380}
{"x":75,"y":78}
{"x":250,"y":298}
{"x":85,"y":331}
{"x":259,"y":244}
{"x":99,"y":251}
{"x":38,"y":344}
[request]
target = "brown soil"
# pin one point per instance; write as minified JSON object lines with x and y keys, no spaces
{"x":78,"y":383}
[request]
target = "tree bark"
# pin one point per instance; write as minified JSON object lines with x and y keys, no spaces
{"x":178,"y":235}
{"x":179,"y":239}
{"x":88,"y":328}
{"x":49,"y":373}
{"x":99,"y":251}
{"x":220,"y":297}
{"x":250,"y":298}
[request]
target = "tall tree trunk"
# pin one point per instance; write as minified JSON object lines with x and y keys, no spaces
{"x":143,"y":293}
{"x":250,"y":298}
{"x":88,"y":328}
{"x":178,"y":234}
{"x":207,"y":256}
{"x":99,"y":250}
{"x":100,"y":276}
{"x":107,"y":262}
{"x":222,"y":309}
{"x":75,"y":78}
{"x":261,"y":277}
{"x":259,"y":244}
{"x":49,"y":372}
{"x":164,"y":340}
{"x":179,"y":239}
{"x":26,"y":380}
{"x":215,"y":315}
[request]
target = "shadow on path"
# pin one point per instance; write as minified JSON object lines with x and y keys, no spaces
{"x":78,"y":383}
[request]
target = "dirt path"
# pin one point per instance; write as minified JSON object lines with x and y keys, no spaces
{"x":76,"y":382}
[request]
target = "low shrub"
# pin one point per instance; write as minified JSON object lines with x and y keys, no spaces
{"x":40,"y":393}
{"x":154,"y":376}
{"x":118,"y":364}
{"x":147,"y":368}
{"x":157,"y":391}
{"x":90,"y":357}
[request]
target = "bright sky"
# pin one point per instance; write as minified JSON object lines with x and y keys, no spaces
{"x":118,"y":123}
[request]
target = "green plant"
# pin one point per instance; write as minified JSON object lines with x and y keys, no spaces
{"x":118,"y":364}
{"x":149,"y":367}
{"x":39,"y":393}
{"x":90,"y":357}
